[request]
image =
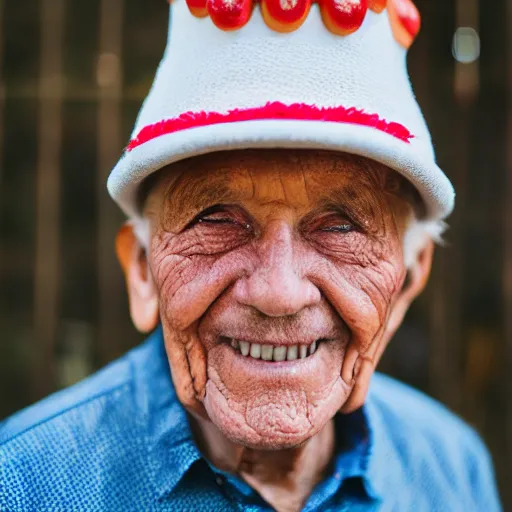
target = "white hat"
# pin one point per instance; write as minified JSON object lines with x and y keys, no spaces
{"x":285,"y":74}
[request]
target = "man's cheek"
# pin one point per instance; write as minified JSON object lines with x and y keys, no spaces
{"x":180,"y":284}
{"x":381,"y":284}
{"x":173,"y":269}
{"x":187,"y":286}
{"x":183,"y":286}
{"x":187,"y":359}
{"x":363,"y":296}
{"x":175,"y":273}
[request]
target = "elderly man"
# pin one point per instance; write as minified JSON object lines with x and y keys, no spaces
{"x":283,"y":202}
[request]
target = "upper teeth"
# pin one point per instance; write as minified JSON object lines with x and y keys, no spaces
{"x":274,"y":353}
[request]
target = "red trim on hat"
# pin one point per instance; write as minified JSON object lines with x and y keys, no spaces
{"x":271,"y":111}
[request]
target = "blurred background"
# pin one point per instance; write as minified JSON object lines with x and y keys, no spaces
{"x":72,"y":77}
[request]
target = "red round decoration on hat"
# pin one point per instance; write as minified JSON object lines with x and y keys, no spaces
{"x":377,"y":5}
{"x":343,"y":17}
{"x":405,"y":21}
{"x":197,"y":8}
{"x":229,"y":14}
{"x":285,"y":15}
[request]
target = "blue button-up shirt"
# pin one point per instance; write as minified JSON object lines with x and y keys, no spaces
{"x":121,"y":441}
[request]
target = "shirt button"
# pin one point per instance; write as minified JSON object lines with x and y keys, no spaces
{"x":219,"y":480}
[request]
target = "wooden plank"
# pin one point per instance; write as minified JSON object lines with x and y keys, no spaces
{"x":48,"y":189}
{"x":109,"y":78}
{"x":444,"y":308}
{"x":451,"y":121}
{"x":2,"y":108}
{"x":465,"y":91}
{"x":2,"y":88}
{"x":507,"y":259}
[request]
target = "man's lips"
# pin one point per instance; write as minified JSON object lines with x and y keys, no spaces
{"x":276,"y":352}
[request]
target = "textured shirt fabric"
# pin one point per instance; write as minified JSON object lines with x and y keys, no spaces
{"x":121,"y":441}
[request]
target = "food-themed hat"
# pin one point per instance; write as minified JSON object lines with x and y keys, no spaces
{"x":315,"y":74}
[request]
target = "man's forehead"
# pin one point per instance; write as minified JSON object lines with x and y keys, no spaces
{"x":295,"y":177}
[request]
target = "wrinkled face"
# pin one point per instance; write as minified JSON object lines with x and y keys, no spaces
{"x":276,"y":273}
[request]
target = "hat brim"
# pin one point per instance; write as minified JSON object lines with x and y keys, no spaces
{"x":421,"y":170}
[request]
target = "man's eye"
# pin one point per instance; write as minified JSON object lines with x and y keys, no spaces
{"x":218,"y":215}
{"x":215,"y":220}
{"x":340,"y":228}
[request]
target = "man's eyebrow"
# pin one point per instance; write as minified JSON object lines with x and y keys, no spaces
{"x":195,"y":194}
{"x":356,"y":201}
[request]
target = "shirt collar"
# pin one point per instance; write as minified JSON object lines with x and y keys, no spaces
{"x":352,"y":445}
{"x":365,"y":451}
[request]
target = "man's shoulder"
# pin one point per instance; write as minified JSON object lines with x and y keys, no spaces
{"x":98,"y":386}
{"x":414,"y":416}
{"x":112,"y":383}
{"x":60,"y":445}
{"x":432,"y":441}
{"x":412,"y":408}
{"x":103,"y":383}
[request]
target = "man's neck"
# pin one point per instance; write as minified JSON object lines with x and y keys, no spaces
{"x":284,"y":478}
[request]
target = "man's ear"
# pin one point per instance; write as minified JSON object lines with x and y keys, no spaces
{"x":417,"y":278}
{"x":142,"y":292}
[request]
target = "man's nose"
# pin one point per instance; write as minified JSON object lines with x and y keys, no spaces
{"x":276,"y":287}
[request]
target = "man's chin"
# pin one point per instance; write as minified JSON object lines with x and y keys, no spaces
{"x":276,"y":427}
{"x":271,"y":445}
{"x":280,"y":420}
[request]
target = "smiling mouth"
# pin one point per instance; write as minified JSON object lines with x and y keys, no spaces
{"x":276,"y":353}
